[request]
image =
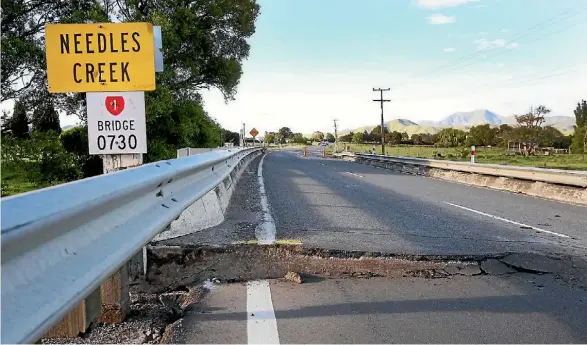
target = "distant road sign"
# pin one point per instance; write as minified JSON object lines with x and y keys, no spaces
{"x":100,"y":57}
{"x":116,"y":122}
{"x":254,"y":132}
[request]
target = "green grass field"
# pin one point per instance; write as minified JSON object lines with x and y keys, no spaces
{"x":483,"y":155}
{"x":16,"y":181}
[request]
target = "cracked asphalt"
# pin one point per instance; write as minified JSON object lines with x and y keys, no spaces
{"x":338,"y":205}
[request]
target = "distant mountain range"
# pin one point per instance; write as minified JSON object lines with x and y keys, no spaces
{"x":464,"y":120}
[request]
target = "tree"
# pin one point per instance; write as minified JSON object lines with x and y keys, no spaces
{"x":284,"y":133}
{"x":230,"y":137}
{"x":19,"y":123}
{"x":298,"y":138}
{"x":317,"y":136}
{"x":347,"y":138}
{"x":427,"y":138}
{"x":416,"y":139}
{"x":451,"y":137}
{"x":45,"y":117}
{"x":358,"y":138}
{"x":529,"y":126}
{"x":504,"y":134}
{"x":579,"y":140}
{"x":482,"y":135}
{"x":551,"y":137}
{"x":207,"y":53}
{"x":23,"y":69}
{"x":269,"y":138}
{"x":394,"y":138}
{"x":330,"y":138}
{"x":375,"y":134}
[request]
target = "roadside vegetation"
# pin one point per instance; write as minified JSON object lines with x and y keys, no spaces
{"x":529,"y":143}
{"x":208,"y":53}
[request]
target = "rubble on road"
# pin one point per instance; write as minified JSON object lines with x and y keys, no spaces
{"x":294,"y":277}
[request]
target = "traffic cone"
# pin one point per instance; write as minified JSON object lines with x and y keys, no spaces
{"x":305,"y":152}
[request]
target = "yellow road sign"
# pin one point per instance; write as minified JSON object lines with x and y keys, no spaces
{"x":254,"y":132}
{"x":100,"y":57}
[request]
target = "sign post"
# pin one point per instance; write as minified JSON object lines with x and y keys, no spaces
{"x":114,"y":63}
{"x":254,"y":132}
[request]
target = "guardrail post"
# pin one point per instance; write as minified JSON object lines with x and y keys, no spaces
{"x":111,"y":302}
{"x":114,"y":291}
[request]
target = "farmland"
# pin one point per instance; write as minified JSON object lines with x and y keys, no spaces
{"x":483,"y":155}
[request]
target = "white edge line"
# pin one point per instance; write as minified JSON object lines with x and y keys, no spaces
{"x":348,"y":172}
{"x":261,"y":322}
{"x":507,"y":220}
{"x":265,"y":231}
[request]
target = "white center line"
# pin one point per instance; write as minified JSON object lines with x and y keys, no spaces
{"x":261,"y":322}
{"x":348,"y":172}
{"x":265,"y":231}
{"x":507,"y":220}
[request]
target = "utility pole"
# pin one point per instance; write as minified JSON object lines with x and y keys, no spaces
{"x":335,"y":137}
{"x":244,"y":141}
{"x":382,"y":125}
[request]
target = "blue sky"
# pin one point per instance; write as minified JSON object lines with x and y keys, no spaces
{"x":312,"y":61}
{"x":315,"y":60}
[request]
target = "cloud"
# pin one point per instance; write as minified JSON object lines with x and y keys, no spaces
{"x":449,"y":50}
{"x":504,"y":30}
{"x":440,"y":19}
{"x":481,"y":6}
{"x":434,"y":4}
{"x":484,"y":44}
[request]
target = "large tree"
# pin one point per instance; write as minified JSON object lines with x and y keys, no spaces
{"x":451,"y":137}
{"x":375,"y":134}
{"x":23,"y":67}
{"x":330,"y":138}
{"x":269,"y":138}
{"x":284,"y":133}
{"x":19,"y":123}
{"x":204,"y":45}
{"x":482,"y":135}
{"x":394,"y":138}
{"x":45,"y":118}
{"x":358,"y":138}
{"x":317,"y":136}
{"x":529,"y":127}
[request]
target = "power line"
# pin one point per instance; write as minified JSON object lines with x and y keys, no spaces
{"x":522,"y":80}
{"x":541,"y":25}
{"x":381,"y":100}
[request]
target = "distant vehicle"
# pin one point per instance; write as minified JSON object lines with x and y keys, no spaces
{"x":324,"y":143}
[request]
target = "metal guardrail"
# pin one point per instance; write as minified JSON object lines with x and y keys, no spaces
{"x":60,"y":243}
{"x":557,"y":176}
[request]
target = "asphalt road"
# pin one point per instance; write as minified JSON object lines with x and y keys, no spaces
{"x":342,"y":205}
{"x":522,"y":308}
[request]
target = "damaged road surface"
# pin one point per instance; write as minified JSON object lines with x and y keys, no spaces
{"x":364,"y":255}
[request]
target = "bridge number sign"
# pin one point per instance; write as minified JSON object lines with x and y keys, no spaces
{"x":100,"y":57}
{"x":116,"y":122}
